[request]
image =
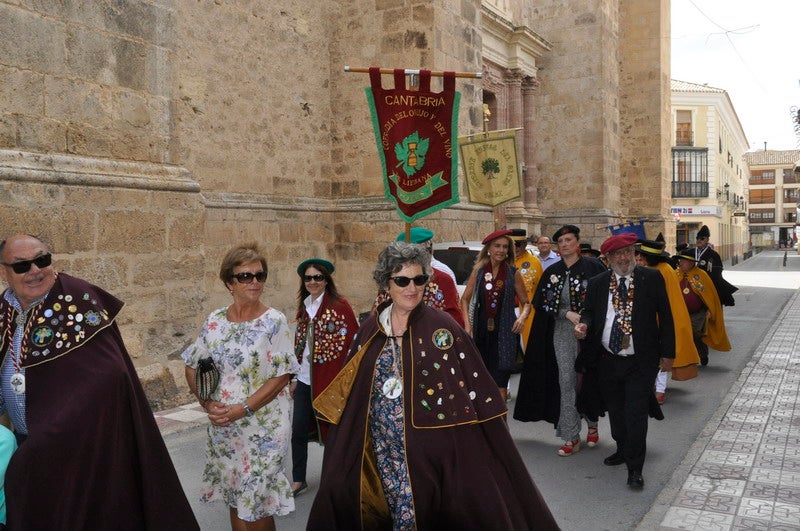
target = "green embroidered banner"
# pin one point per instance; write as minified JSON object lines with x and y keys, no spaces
{"x":416,"y":131}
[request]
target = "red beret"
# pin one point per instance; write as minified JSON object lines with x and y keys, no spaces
{"x":617,"y":242}
{"x":496,"y":234}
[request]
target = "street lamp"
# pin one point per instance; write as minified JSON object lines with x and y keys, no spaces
{"x":727,"y":192}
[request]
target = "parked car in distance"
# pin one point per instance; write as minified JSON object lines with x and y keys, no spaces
{"x":460,"y":257}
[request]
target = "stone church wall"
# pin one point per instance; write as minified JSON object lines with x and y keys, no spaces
{"x":143,"y":138}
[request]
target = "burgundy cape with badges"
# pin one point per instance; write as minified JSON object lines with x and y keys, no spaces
{"x":94,"y":458}
{"x":465,"y":470}
{"x":334,"y":327}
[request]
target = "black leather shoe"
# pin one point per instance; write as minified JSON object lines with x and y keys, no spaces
{"x":299,"y":490}
{"x":635,"y":479}
{"x":614,"y":459}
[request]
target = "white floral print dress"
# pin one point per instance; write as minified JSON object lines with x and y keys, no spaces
{"x":245,"y":461}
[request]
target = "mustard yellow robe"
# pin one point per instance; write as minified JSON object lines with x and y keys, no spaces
{"x":685,"y":349}
{"x":531,"y":270}
{"x":716,"y":336}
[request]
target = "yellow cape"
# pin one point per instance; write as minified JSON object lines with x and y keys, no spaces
{"x":685,"y":349}
{"x":716,"y":336}
{"x":531,"y":270}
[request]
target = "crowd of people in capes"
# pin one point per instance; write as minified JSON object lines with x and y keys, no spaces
{"x":399,"y":400}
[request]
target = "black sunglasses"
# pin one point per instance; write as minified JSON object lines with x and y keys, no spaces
{"x":519,"y":244}
{"x":419,"y":280}
{"x":24,"y":266}
{"x":309,"y":278}
{"x":247,"y":278}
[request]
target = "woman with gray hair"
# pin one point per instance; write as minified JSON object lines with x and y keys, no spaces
{"x":418,"y":438}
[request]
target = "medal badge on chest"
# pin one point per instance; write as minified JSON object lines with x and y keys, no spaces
{"x":392,"y":388}
{"x":17,"y":382}
{"x":626,"y":341}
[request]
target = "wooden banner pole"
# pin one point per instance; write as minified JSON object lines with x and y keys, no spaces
{"x":409,"y":71}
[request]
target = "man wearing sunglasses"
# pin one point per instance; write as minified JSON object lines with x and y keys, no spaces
{"x":78,"y":410}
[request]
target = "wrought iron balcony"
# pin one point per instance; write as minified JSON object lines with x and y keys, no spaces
{"x":689,"y":189}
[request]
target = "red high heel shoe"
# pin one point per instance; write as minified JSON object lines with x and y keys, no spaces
{"x":592,"y":438}
{"x":570,"y":447}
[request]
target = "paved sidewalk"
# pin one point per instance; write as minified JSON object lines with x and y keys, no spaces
{"x":180,"y":418}
{"x":744,"y":468}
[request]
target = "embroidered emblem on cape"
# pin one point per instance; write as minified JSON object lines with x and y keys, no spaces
{"x":442,"y":338}
{"x":92,"y":318}
{"x":42,"y":336}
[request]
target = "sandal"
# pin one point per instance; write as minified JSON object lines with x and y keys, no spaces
{"x":592,"y":438}
{"x":570,"y":447}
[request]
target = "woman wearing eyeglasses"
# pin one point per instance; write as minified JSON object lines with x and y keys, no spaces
{"x":418,"y":439}
{"x":326,"y":325}
{"x":489,"y":301}
{"x":251,"y":345}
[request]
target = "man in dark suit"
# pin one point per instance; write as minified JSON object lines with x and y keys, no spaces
{"x":628,"y":324}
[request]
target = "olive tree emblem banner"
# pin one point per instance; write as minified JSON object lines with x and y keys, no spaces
{"x":491,"y":169}
{"x":415,"y":131}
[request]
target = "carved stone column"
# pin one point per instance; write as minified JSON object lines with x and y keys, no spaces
{"x":516,"y":210}
{"x":529,"y":178}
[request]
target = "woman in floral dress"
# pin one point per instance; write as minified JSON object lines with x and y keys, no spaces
{"x":250,"y":411}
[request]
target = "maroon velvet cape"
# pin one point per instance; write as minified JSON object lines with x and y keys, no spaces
{"x":335,"y":325}
{"x":94,"y":457}
{"x":465,"y":470}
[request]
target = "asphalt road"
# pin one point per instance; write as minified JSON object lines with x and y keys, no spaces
{"x":582,"y":493}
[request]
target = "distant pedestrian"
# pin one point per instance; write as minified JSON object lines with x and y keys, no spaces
{"x":703,"y":305}
{"x":709,"y":260}
{"x":547,"y":256}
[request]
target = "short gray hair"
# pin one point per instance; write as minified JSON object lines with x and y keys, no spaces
{"x":395,"y":256}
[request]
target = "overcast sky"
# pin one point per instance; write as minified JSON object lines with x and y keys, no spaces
{"x":751,"y":49}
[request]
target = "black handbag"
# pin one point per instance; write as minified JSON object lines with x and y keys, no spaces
{"x":206,"y":378}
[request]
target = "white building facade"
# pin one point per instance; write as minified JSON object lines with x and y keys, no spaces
{"x":709,"y":175}
{"x":773,"y":198}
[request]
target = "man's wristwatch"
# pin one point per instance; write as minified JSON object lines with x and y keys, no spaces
{"x":247,"y":411}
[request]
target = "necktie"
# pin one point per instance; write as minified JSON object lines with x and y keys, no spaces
{"x":615,"y":341}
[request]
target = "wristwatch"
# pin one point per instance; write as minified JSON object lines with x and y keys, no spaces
{"x":247,"y":411}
